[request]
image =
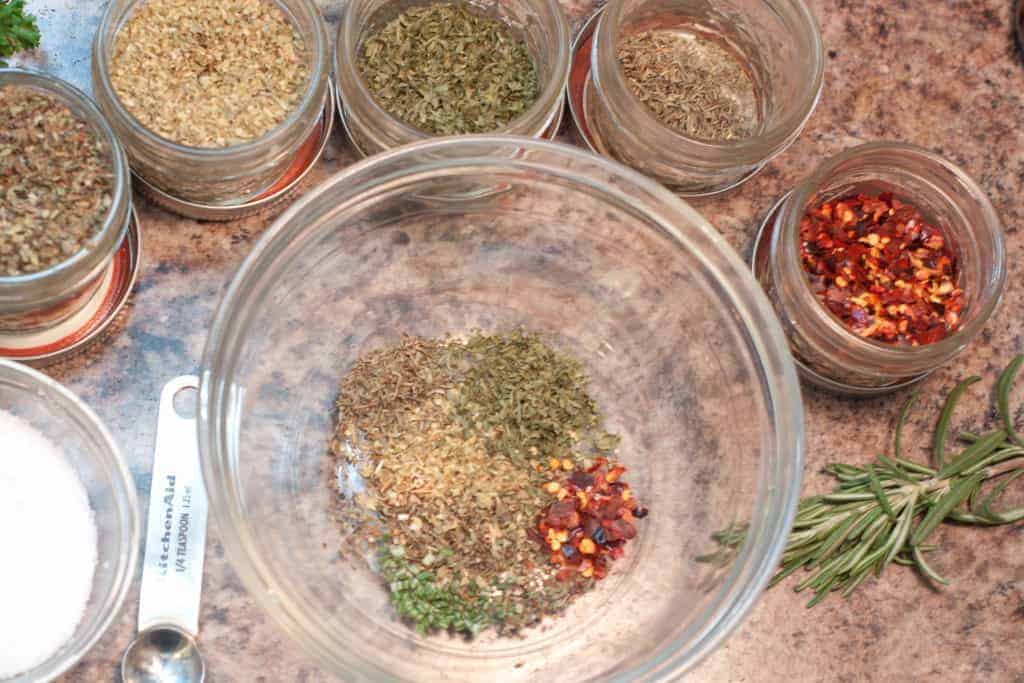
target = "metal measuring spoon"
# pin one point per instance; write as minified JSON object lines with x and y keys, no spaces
{"x":165,"y":650}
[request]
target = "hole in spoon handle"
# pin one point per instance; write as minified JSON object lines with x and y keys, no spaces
{"x":172,"y":571}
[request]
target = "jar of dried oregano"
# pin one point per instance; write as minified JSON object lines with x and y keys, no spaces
{"x":65,"y":200}
{"x":213,"y":99}
{"x":408,"y":71}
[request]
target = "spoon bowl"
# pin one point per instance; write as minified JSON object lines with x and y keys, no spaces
{"x":165,"y":649}
{"x":163,"y":654}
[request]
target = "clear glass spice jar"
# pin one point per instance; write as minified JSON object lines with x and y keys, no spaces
{"x":827,"y":353}
{"x":540,"y":23}
{"x":779,"y":46}
{"x":40,"y":300}
{"x":215,"y":176}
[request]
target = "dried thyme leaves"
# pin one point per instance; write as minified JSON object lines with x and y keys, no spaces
{"x":56,"y":181}
{"x":452,"y":443}
{"x":531,"y":398}
{"x":209,"y":73}
{"x":691,"y":83}
{"x":449,"y":71}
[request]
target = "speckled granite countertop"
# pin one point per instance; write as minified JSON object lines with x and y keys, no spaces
{"x":944,"y":75}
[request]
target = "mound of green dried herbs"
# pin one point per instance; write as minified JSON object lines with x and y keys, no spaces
{"x":453,"y":444}
{"x":448,"y":70}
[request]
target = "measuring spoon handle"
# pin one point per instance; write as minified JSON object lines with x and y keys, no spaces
{"x":172,"y":571}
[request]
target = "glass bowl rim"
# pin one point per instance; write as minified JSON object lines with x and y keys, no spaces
{"x":779,"y":477}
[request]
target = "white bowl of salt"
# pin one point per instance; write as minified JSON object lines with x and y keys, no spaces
{"x":70,"y":525}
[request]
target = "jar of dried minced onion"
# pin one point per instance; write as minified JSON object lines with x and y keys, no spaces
{"x":212,"y":99}
{"x":69,"y":199}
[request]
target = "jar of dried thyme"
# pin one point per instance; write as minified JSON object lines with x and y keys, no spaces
{"x":410,"y":71}
{"x":212,"y":98}
{"x":65,"y":200}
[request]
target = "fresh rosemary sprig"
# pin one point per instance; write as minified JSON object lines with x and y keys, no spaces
{"x":886,"y":511}
{"x":18,"y":31}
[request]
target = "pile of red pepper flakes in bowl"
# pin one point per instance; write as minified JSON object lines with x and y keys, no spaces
{"x":591,"y":519}
{"x":878,"y":265}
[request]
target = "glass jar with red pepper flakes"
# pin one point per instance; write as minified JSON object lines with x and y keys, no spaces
{"x":882,"y":266}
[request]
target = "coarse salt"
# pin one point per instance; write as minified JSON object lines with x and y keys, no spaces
{"x":49,"y":547}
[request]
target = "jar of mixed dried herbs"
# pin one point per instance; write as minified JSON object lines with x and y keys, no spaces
{"x":65,"y":200}
{"x":410,"y":72}
{"x":882,"y":266}
{"x":701,"y":96}
{"x":212,"y":98}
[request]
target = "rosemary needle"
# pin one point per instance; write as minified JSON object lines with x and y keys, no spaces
{"x":944,"y":418}
{"x":1003,"y":396}
{"x":885,"y":512}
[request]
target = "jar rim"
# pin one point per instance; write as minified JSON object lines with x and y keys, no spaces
{"x":346,"y":61}
{"x":69,"y":94}
{"x":794,"y":207}
{"x":751,"y":149}
{"x":206,"y":154}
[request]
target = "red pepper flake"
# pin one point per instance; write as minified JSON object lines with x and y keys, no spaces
{"x":878,"y":265}
{"x":590,"y":522}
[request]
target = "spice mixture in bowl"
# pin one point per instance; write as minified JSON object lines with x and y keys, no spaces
{"x":66,"y":200}
{"x":72,"y":540}
{"x":488,"y":439}
{"x":479,"y":472}
{"x":406,"y":72}
{"x":212,"y":98}
{"x":882,"y":265}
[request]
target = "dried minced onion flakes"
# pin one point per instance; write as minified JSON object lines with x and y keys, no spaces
{"x":209,"y":73}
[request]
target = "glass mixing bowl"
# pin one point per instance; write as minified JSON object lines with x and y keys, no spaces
{"x":92,"y":453}
{"x":685,"y":356}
